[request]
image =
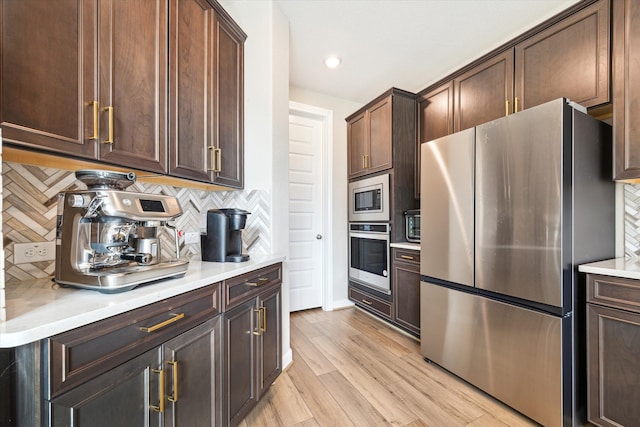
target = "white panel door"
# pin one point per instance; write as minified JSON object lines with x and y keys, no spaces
{"x":305,"y":212}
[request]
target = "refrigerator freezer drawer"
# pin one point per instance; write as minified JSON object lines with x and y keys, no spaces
{"x":512,"y":353}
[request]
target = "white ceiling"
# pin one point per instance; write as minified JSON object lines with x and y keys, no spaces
{"x":408,"y":44}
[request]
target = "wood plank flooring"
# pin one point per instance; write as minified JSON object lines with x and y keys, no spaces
{"x":350,"y":369}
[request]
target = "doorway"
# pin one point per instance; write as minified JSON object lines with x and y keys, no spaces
{"x":309,"y":205}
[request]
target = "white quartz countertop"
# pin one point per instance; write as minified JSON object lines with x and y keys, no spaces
{"x":38,"y":309}
{"x":628,"y":268}
{"x":406,"y":245}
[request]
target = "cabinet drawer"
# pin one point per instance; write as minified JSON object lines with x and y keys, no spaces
{"x":406,"y":255}
{"x":242,"y":288}
{"x":614,"y":292}
{"x":86,"y":352}
{"x":381,"y":307}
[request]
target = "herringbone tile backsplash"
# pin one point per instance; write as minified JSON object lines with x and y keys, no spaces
{"x":29,"y":213}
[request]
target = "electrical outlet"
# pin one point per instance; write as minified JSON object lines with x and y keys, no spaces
{"x":191,"y":237}
{"x":24,"y":253}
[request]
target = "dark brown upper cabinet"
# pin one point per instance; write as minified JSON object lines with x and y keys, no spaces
{"x":132,"y":83}
{"x":48,"y":75}
{"x":152,"y":85}
{"x":435,"y":119}
{"x":206,"y":62}
{"x":626,"y":89}
{"x":484,"y":93}
{"x":369,"y":136}
{"x":570,"y":59}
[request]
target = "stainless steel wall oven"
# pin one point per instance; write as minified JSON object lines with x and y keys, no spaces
{"x":369,"y":255}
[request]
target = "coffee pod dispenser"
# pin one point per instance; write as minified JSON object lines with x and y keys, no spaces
{"x":223,"y":240}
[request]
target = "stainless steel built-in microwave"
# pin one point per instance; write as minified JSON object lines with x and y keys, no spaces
{"x":369,"y":199}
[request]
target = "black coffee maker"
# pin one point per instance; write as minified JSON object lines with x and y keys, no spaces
{"x":223,"y":241}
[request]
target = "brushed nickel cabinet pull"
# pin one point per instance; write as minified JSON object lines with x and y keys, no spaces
{"x":174,"y":367}
{"x":160,"y":325}
{"x":160,"y":407}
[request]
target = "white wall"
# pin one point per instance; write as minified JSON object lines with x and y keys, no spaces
{"x":341,"y":108}
{"x":266,"y":121}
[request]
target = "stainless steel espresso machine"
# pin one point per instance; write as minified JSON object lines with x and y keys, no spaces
{"x":109,"y":239}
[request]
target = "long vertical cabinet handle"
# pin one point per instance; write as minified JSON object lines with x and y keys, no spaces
{"x":364,"y":161}
{"x":216,"y":159}
{"x":258,"y":330}
{"x":506,"y":107}
{"x":96,"y":120}
{"x":109,"y":139}
{"x":160,"y":407}
{"x":174,"y":367}
{"x":218,"y":167}
{"x":263,"y":328}
{"x":515,"y":108}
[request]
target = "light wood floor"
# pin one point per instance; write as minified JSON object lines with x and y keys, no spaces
{"x":350,"y":369}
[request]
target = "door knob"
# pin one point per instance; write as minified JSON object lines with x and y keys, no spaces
{"x":318,"y":236}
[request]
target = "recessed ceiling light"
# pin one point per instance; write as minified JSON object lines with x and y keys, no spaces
{"x":332,"y":62}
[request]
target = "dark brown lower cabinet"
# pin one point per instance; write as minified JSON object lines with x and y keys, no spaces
{"x":406,"y":289}
{"x":613,"y":356}
{"x":123,"y":396}
{"x":176,"y":384}
{"x":183,"y":361}
{"x":252,"y":350}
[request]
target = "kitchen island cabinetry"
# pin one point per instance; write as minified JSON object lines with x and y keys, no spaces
{"x":406,"y":289}
{"x":252,"y":343}
{"x":379,"y":134}
{"x":626,"y":89}
{"x":206,"y":126}
{"x":613,"y":355}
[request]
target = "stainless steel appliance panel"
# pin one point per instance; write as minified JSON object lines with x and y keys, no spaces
{"x":446,"y":208}
{"x":369,"y":255}
{"x":519,"y":204}
{"x":512,"y":353}
{"x":369,"y":199}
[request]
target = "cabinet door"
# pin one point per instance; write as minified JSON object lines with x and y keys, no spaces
{"x":613,"y":360}
{"x":191,"y":89}
{"x":132,"y":46}
{"x":626,"y":89}
{"x":192,"y":363}
{"x":121,"y":397}
{"x":47,"y":74}
{"x":380,"y":137}
{"x":484,"y":93}
{"x":435,"y":119}
{"x":270,"y":347}
{"x":569,"y":59}
{"x":229,"y":121}
{"x":240,"y":388}
{"x":357,"y":145}
{"x":406,"y":289}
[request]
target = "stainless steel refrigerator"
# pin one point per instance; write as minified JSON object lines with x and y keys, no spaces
{"x":509,"y":210}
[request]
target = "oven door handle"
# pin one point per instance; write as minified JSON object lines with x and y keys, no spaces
{"x":374,"y":236}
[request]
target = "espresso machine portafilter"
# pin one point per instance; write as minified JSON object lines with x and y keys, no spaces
{"x":109,"y":239}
